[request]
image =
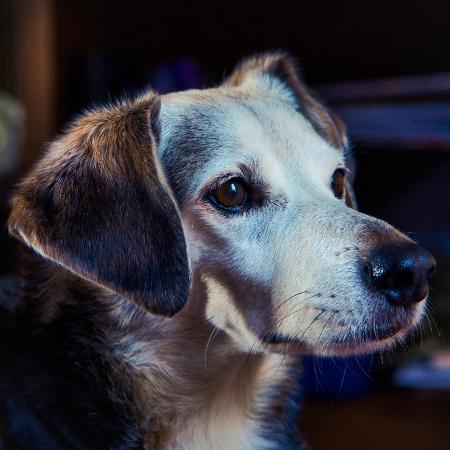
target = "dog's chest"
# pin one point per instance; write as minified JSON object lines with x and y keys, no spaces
{"x":238,"y":417}
{"x":233,"y":402}
{"x":220,"y":430}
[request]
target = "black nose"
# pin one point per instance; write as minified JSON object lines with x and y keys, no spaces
{"x":401,"y":273}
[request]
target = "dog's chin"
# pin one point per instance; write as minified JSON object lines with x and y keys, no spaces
{"x":383,"y":337}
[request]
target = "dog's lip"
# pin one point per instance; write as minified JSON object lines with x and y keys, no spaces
{"x":289,"y":348}
{"x":383,"y":331}
{"x":279,"y":342}
{"x":275,"y":338}
{"x":375,"y":334}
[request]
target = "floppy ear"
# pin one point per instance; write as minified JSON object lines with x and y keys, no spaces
{"x":278,"y":72}
{"x":98,"y":204}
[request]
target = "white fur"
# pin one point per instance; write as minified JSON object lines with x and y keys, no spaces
{"x":296,"y":243}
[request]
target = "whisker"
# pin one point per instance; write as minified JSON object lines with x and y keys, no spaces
{"x":290,"y":298}
{"x":427,"y":315}
{"x":295,"y":338}
{"x":342,"y":382}
{"x":249,"y":352}
{"x":318,"y":383}
{"x":363,"y":371}
{"x":213,"y":334}
{"x":308,"y":327}
{"x":193,"y":327}
{"x":325,"y":325}
{"x":438,"y":331}
{"x":296,"y":311}
{"x":382,"y":357}
{"x":431,"y":322}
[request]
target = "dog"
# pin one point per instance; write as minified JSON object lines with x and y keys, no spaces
{"x":181,"y":252}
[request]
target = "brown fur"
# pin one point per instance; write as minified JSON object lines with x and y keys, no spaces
{"x":98,"y":205}
{"x":283,"y":67}
{"x":162,"y":373}
{"x":96,"y":208}
{"x":111,"y":249}
{"x":100,"y":212}
{"x":270,"y":281}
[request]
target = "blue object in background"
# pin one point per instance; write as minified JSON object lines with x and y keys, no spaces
{"x":176,"y":75}
{"x":337,"y":377}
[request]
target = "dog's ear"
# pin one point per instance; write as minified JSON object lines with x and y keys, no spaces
{"x":98,"y":204}
{"x":278,"y":72}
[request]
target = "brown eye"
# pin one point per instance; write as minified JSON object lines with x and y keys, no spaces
{"x":230,"y":195}
{"x":338,"y":183}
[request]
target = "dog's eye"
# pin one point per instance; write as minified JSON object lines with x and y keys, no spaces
{"x":338,"y":182}
{"x":230,"y":195}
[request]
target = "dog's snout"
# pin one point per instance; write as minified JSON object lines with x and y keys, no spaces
{"x":400,"y":273}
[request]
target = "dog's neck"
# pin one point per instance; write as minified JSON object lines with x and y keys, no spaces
{"x":197,"y":378}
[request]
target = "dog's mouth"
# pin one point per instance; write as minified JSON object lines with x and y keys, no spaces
{"x":369,"y":339}
{"x":282,"y":343}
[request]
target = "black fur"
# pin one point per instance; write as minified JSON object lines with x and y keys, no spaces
{"x":56,"y":382}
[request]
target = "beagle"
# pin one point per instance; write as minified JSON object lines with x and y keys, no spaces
{"x":183,"y":251}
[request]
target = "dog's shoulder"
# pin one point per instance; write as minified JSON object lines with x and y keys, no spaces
{"x":54,"y":384}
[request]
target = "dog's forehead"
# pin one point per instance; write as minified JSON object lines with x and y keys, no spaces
{"x":205,"y":132}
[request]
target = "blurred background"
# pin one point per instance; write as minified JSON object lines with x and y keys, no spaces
{"x":383,"y":66}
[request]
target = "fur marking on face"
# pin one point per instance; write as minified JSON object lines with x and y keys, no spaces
{"x":259,"y":171}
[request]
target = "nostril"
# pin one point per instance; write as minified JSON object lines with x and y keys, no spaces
{"x":401,"y":279}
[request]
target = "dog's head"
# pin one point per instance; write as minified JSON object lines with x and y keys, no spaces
{"x":98,"y":205}
{"x":258,"y":170}
{"x":258,"y":167}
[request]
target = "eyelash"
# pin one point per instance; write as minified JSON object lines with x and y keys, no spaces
{"x":223,"y":179}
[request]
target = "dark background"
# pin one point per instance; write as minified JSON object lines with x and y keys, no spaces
{"x":62,"y":56}
{"x":58,"y":57}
